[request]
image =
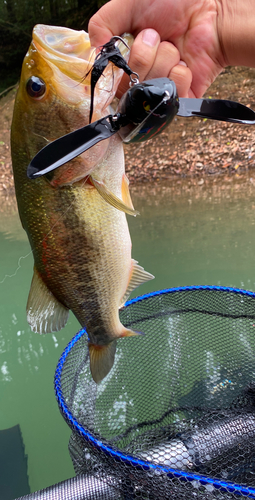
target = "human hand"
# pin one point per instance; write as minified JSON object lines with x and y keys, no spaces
{"x":189,"y":33}
{"x":151,"y":58}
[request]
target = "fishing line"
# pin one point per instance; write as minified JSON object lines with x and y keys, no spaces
{"x":18,"y":267}
{"x":43,"y":239}
{"x":134,"y":132}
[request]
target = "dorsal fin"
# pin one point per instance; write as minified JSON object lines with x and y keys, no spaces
{"x":45,"y":314}
{"x":138,"y":277}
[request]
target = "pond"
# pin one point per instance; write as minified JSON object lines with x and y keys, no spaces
{"x":188,"y":233}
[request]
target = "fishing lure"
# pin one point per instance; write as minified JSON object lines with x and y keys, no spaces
{"x":109,"y":52}
{"x":143,"y":112}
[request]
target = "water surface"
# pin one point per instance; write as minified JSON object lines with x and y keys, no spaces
{"x":186,"y":234}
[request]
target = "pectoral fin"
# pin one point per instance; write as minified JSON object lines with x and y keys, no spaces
{"x":138,"y":277}
{"x":111,"y":198}
{"x":125,"y":192}
{"x":45,"y":314}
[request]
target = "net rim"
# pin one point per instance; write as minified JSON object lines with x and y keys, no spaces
{"x":226,"y":486}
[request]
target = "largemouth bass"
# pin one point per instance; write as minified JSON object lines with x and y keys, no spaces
{"x":75,"y":216}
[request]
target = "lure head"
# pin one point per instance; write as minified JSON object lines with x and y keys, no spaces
{"x":148,"y":108}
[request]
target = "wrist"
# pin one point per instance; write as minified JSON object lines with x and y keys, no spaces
{"x":236,"y":31}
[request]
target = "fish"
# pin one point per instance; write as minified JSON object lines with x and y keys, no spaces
{"x":75,"y":216}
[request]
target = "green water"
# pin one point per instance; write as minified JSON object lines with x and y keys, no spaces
{"x":185,"y":235}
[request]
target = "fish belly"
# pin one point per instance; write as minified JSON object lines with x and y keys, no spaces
{"x":85,"y":260}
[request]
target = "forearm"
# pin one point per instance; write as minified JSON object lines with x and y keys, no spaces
{"x":236,"y":30}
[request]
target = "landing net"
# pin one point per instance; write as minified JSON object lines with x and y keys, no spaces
{"x":175,"y":417}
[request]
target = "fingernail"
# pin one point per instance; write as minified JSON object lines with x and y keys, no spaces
{"x":182,"y":63}
{"x":150,"y":37}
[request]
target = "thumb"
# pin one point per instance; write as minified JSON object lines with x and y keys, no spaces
{"x":99,"y":34}
{"x":114,"y":18}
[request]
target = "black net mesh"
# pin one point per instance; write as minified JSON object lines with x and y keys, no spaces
{"x":175,"y":417}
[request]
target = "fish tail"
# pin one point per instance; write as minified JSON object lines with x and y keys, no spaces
{"x":101,"y":360}
{"x":102,"y":356}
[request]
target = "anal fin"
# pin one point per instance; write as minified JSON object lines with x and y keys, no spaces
{"x":112,"y":199}
{"x":45,"y":314}
{"x":138,"y":277}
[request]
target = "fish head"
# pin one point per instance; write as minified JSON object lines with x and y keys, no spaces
{"x":54,"y":95}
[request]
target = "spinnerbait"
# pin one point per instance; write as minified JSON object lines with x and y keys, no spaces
{"x":143,"y":112}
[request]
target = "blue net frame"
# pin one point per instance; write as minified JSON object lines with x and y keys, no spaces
{"x":105,"y":448}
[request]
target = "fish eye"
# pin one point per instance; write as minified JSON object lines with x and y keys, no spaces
{"x":35,"y":87}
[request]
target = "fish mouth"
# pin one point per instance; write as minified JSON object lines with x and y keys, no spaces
{"x":68,"y":50}
{"x":70,"y":56}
